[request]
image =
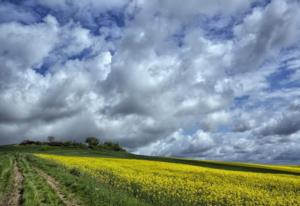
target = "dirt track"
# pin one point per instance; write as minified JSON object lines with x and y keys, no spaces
{"x":15,"y":197}
{"x":55,"y":186}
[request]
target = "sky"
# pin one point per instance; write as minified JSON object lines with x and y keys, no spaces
{"x":205,"y":79}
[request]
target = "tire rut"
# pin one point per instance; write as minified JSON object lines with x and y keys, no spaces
{"x":55,"y":186}
{"x":15,"y":197}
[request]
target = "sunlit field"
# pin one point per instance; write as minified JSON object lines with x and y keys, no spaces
{"x":162,"y":183}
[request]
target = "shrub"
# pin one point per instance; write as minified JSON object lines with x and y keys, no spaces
{"x":92,"y":141}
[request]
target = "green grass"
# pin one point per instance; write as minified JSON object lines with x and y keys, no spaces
{"x":86,"y":188}
{"x":6,"y":175}
{"x":36,"y":190}
{"x":63,"y":151}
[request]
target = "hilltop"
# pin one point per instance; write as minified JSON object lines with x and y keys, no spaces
{"x":83,"y":150}
{"x":59,"y":174}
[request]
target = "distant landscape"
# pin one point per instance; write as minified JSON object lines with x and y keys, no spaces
{"x":56,"y":173}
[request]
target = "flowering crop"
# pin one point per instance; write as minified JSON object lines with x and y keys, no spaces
{"x":162,"y":183}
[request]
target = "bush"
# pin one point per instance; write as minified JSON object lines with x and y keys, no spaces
{"x":92,"y":142}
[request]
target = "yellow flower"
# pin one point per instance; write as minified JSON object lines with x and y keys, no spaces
{"x":179,"y":184}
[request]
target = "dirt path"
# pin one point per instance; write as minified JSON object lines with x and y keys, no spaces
{"x":55,"y":186}
{"x":15,"y":197}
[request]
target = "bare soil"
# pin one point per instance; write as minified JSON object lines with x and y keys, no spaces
{"x":68,"y":201}
{"x":15,"y":197}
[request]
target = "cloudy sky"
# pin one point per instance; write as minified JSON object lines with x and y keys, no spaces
{"x":206,"y":79}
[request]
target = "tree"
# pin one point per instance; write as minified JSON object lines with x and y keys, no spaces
{"x":51,"y":139}
{"x":92,"y":141}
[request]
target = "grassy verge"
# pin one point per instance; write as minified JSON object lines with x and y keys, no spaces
{"x":6,"y":175}
{"x":36,"y":191}
{"x":85,"y":187}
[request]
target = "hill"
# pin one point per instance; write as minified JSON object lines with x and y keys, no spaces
{"x":57,"y":175}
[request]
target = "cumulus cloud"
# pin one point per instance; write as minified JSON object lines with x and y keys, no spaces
{"x":159,"y":77}
{"x":24,"y":46}
{"x":264,"y":33}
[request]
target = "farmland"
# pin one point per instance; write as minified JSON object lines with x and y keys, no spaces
{"x":60,"y":176}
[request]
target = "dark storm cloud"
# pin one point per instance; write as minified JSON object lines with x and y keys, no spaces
{"x":285,"y":125}
{"x":114,"y":70}
{"x":292,"y":154}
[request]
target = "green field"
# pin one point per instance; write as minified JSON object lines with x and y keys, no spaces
{"x":48,"y":175}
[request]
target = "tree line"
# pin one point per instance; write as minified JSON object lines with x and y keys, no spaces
{"x":90,"y":143}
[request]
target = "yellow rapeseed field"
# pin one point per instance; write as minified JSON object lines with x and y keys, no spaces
{"x":162,"y":183}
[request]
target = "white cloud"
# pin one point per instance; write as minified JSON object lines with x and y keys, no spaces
{"x":263,"y":33}
{"x":24,"y":46}
{"x":216,"y":119}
